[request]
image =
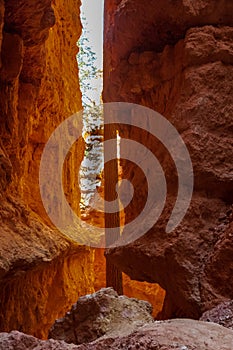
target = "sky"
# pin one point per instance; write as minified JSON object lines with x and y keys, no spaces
{"x":93,"y":11}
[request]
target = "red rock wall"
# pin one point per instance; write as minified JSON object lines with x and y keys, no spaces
{"x":176,"y":58}
{"x":41,"y":272}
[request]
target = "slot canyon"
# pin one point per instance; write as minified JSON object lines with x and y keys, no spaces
{"x":172,"y":56}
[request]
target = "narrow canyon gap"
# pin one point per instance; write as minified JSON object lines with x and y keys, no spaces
{"x":174,"y":57}
{"x":42,"y":273}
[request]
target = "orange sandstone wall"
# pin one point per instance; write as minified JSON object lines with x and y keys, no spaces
{"x":41,"y":272}
{"x":133,"y":289}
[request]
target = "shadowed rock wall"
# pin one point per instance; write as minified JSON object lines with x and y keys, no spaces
{"x":176,"y":58}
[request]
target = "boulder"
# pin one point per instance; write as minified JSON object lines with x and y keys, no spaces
{"x":103,"y":313}
{"x":221,"y":314}
{"x":177,"y":334}
{"x":19,"y":341}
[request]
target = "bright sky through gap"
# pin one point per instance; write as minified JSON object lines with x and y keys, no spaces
{"x":93,"y":11}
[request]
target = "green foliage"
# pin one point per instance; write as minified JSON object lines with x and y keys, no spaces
{"x":87,"y":67}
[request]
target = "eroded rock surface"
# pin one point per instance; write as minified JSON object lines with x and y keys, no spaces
{"x":20,"y":341}
{"x":41,"y":272}
{"x":179,"y":334}
{"x":103,"y":313}
{"x":221,"y":314}
{"x":179,"y":62}
{"x":150,"y":292}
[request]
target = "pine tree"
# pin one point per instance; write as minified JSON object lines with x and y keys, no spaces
{"x":88,"y":70}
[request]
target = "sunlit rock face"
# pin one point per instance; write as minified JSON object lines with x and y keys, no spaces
{"x":176,"y":58}
{"x":41,"y":272}
{"x":150,"y":292}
